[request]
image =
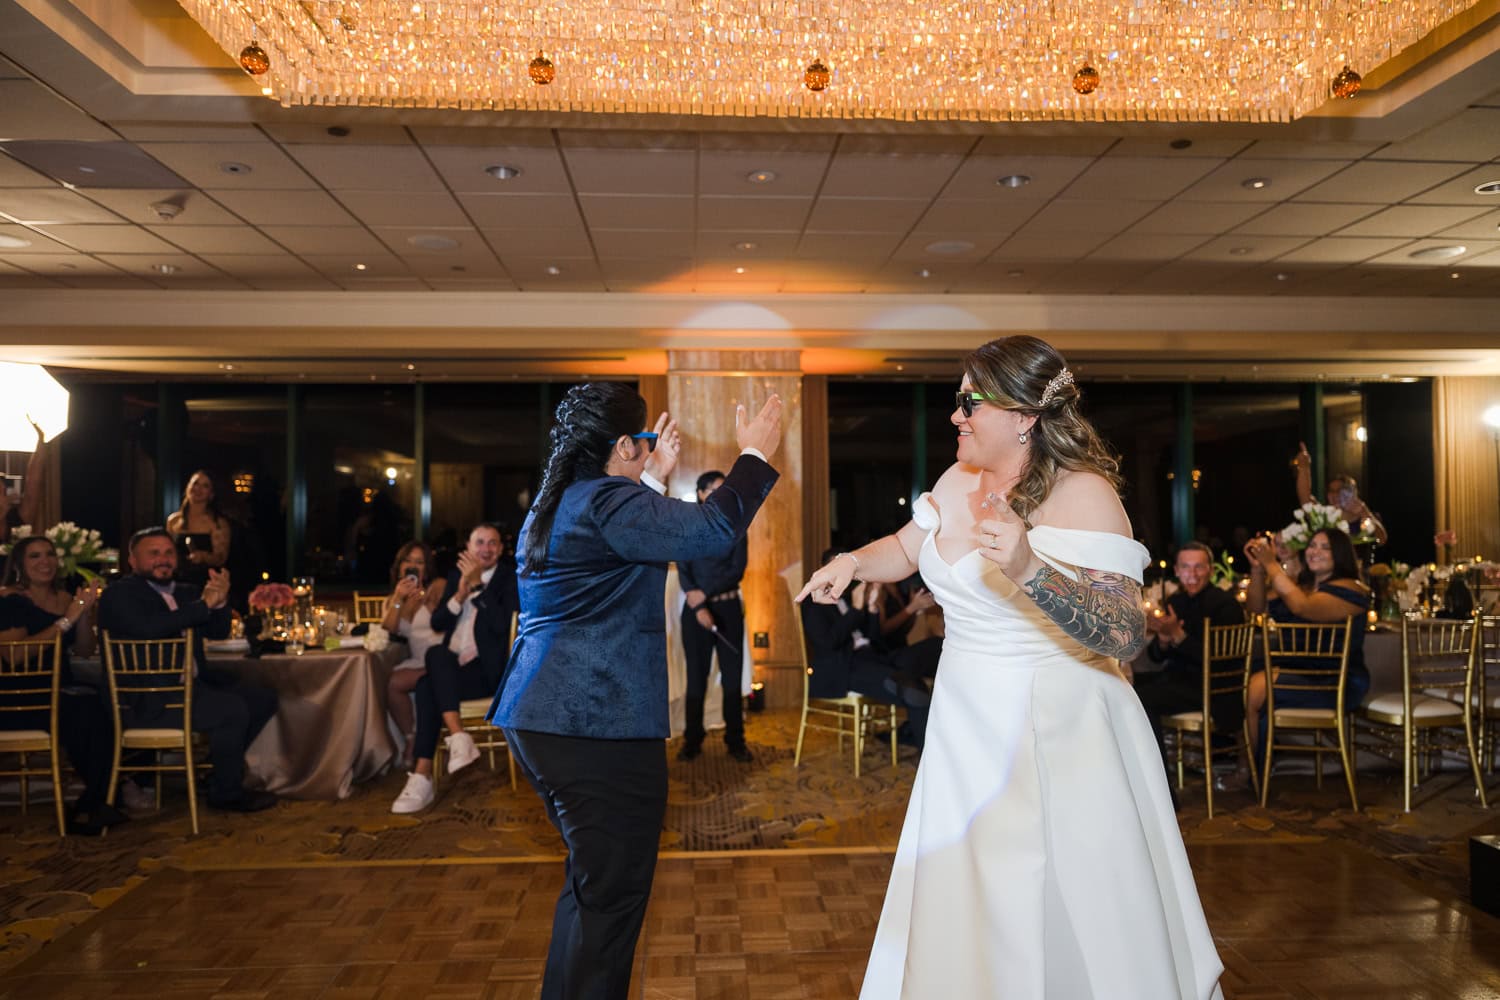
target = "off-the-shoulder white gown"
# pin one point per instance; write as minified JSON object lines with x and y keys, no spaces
{"x":1041,"y":858}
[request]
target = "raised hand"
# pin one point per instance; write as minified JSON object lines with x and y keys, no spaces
{"x":764,"y":432}
{"x":406,"y":587}
{"x":1002,"y":540}
{"x":668,"y":448}
{"x":1303,"y":458}
{"x":216,"y":591}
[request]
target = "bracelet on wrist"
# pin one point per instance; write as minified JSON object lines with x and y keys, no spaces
{"x":396,"y":606}
{"x":852,"y":558}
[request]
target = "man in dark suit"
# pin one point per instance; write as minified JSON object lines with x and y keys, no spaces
{"x":151,"y":604}
{"x":845,"y":657}
{"x":1177,"y":644}
{"x":713,"y":620}
{"x":474,"y":616}
{"x":584,"y":700}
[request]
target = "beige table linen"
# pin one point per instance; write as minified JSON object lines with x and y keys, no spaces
{"x":329,"y":731}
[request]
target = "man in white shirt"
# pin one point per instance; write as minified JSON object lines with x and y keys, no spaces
{"x":475,"y":614}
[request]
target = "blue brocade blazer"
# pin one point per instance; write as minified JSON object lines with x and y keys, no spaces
{"x":590,"y":657}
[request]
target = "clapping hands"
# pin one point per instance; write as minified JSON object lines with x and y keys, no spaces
{"x":216,"y":591}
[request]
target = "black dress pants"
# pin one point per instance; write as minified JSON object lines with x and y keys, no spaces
{"x":698,"y":646}
{"x":231,"y":714}
{"x":608,"y":799}
{"x":442,"y":689}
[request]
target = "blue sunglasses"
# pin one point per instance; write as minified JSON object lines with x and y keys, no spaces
{"x":647,"y":436}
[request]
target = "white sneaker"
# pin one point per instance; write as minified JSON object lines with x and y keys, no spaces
{"x":416,"y":796}
{"x":135,"y":798}
{"x":461,"y":751}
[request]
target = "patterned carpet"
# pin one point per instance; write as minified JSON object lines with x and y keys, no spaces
{"x":48,"y":884}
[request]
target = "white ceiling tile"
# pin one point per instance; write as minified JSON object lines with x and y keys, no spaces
{"x":216,"y":239}
{"x":259,"y":265}
{"x":980,"y":246}
{"x":1160,"y":145}
{"x":1047,"y":246}
{"x":368,"y":168}
{"x":14,"y":173}
{"x":112,"y":281}
{"x":482,"y":136}
{"x":1460,"y":190}
{"x":39,"y":242}
{"x":1340,"y":250}
{"x":1049,"y":176}
{"x":59,"y":264}
{"x":1486,"y":226}
{"x":407,"y":242}
{"x":1244,"y":249}
{"x":1005,"y":277}
{"x":350,"y":134}
{"x":1411,"y":221}
{"x":49,"y":206}
{"x":619,"y":243}
{"x":199,"y":164}
{"x":517,"y":211}
{"x":539,"y":243}
{"x":379,"y":263}
{"x":1287,"y":177}
{"x":726,"y":172}
{"x":1001,"y":215}
{"x":309,"y":282}
{"x":463,"y":168}
{"x":765,"y":245}
{"x":1145,"y":247}
{"x":1140,"y":178}
{"x":476,"y":263}
{"x":1381,"y":183}
{"x":29,"y":111}
{"x":637,"y":211}
{"x":285,"y":208}
{"x":888,"y":175}
{"x":1304,"y":218}
{"x":190,"y":132}
{"x":412,"y":208}
{"x":302,"y":240}
{"x":499,"y":284}
{"x":753,"y":214}
{"x":1195,"y":218}
{"x":531,"y":273}
{"x":1098,"y":277}
{"x":134,"y":205}
{"x":1036,"y":145}
{"x":865,"y":215}
{"x":1070,"y":215}
{"x":1403,"y":257}
{"x":1303,"y":149}
{"x":1472,"y":135}
{"x":847,"y":246}
{"x":109,"y":239}
{"x":146,"y":265}
{"x":632,"y":171}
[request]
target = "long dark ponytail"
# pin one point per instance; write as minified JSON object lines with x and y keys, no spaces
{"x":589,"y":420}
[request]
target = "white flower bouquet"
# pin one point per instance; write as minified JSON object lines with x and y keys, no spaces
{"x":1311,"y":518}
{"x":377,"y":639}
{"x":75,"y":547}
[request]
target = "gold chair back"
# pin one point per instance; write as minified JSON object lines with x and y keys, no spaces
{"x":161,"y":669}
{"x":1440,"y":659}
{"x":1487,"y":691}
{"x":861,"y":714}
{"x":29,"y":680}
{"x":1310,"y":657}
{"x":369,"y":609}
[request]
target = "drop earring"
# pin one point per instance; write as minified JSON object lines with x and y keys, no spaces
{"x":1023,"y":437}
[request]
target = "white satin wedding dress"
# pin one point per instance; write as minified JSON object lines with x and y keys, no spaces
{"x":1040,"y":858}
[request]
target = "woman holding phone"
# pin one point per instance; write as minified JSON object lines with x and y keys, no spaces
{"x":201,"y":530}
{"x":408,"y":612}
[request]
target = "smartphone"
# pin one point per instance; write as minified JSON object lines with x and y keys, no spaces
{"x":1346,"y":496}
{"x":414,"y":573}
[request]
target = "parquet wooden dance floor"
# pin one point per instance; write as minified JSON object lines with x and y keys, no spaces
{"x":1310,"y":921}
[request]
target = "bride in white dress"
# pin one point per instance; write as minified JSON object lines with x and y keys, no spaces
{"x":1041,"y":858}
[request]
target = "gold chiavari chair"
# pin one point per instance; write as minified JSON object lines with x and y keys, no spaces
{"x":1226,"y":671}
{"x":1487,"y":691}
{"x":28,"y":694}
{"x":158,"y":670}
{"x":367,"y":609}
{"x":1297,"y":660}
{"x":472,"y":716}
{"x":853,"y":714}
{"x":1439,"y":666}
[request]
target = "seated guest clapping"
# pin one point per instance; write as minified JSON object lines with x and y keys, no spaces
{"x":844,"y":657}
{"x":1177,"y":644}
{"x":474,"y":617}
{"x":150,"y":604}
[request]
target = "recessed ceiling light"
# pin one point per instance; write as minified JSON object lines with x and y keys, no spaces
{"x":1240,"y":251}
{"x":924,"y":273}
{"x":554,"y":270}
{"x":949,"y":248}
{"x":87,"y":170}
{"x":1438,"y":253}
{"x":410,"y":367}
{"x":745,"y":245}
{"x":1455,"y":275}
{"x":1282,"y":276}
{"x":739,"y":270}
{"x":231,"y":167}
{"x":226,"y":367}
{"x":761,"y":176}
{"x":1488,"y":187}
{"x":1255,"y":183}
{"x":1015,"y":273}
{"x":361,"y":267}
{"x":503,"y":172}
{"x":164,"y":268}
{"x":13,"y":243}
{"x":431,"y":241}
{"x":1013,"y":180}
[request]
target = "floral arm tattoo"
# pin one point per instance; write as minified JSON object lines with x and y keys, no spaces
{"x":1102,"y":611}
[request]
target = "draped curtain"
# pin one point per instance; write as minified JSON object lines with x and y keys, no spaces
{"x":1468,"y":476}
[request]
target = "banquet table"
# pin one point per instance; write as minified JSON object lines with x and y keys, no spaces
{"x":329,"y":731}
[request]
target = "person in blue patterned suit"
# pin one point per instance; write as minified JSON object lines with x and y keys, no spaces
{"x":584,"y":698}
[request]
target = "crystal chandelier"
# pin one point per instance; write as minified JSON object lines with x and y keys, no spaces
{"x":911,"y":60}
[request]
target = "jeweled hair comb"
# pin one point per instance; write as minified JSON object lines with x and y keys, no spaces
{"x":1059,"y":380}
